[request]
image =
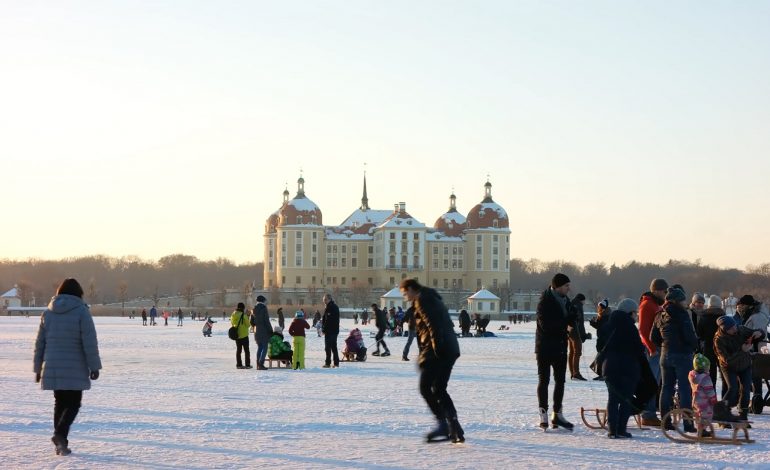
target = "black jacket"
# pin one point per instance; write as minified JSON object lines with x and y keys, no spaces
{"x":435,"y":332}
{"x":706,"y":329}
{"x":624,"y":348}
{"x":331,"y":319}
{"x":673,"y":331}
{"x":578,"y":328}
{"x":551,"y":332}
{"x":380,"y":319}
{"x":465,"y":321}
{"x":600,"y":324}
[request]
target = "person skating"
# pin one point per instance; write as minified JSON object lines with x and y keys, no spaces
{"x":603,"y":312}
{"x":409,"y":320}
{"x":439,"y":351}
{"x":66,"y":357}
{"x":553,"y":315}
{"x":576,"y":337}
{"x":144,"y":317}
{"x":381,"y":322}
{"x":179,"y":317}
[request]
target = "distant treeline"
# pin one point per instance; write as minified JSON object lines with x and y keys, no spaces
{"x":107,"y":280}
{"x":111,"y":280}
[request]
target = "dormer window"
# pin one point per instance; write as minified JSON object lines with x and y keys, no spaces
{"x":495,"y":223}
{"x":299,"y":220}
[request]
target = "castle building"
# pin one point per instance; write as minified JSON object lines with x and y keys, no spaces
{"x":373,"y":250}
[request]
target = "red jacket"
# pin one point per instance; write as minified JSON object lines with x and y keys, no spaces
{"x":649,"y":307}
{"x":298,"y":327}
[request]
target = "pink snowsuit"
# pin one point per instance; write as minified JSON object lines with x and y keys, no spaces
{"x":704,"y":396}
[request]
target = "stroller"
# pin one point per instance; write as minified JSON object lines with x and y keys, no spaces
{"x":207,"y":327}
{"x":354,"y":347}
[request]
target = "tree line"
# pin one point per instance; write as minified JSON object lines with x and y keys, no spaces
{"x":111,"y":280}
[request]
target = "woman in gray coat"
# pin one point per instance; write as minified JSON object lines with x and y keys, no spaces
{"x":262,"y":330}
{"x":66,"y":356}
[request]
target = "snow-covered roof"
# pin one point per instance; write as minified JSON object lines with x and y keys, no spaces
{"x":359,"y":217}
{"x":394,"y":293}
{"x":303,"y":204}
{"x":347,"y":235}
{"x":484,"y":294}
{"x":491,"y":206}
{"x":11,"y":293}
{"x":440,"y":236}
{"x":455,"y":217}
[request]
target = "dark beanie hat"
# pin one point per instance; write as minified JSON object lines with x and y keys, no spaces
{"x":658,"y":284}
{"x":580,"y":297}
{"x":261,"y":298}
{"x":725,"y":323}
{"x":675,"y":294}
{"x":747,"y":300}
{"x":559,"y":280}
{"x":240,"y":306}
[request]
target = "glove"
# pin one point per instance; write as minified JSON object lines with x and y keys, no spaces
{"x":94,"y":374}
{"x":37,"y":377}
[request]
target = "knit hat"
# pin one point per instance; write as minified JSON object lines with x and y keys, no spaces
{"x":299,"y":314}
{"x":604,"y":303}
{"x":658,"y":284}
{"x":714,"y":301}
{"x":277,"y":329}
{"x":241,"y":306}
{"x":559,"y":280}
{"x":725,"y":322}
{"x":580,"y":297}
{"x":627,"y":305}
{"x":698,"y":297}
{"x":747,"y":300}
{"x":674,"y":294}
{"x":701,"y":363}
{"x":261,"y":298}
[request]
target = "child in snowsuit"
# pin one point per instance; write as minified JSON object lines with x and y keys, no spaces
{"x":703,"y":395}
{"x":207,"y":327}
{"x":297,"y":331}
{"x":279,"y":349}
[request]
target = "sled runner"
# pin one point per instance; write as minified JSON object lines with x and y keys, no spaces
{"x":601,"y":418}
{"x":678,"y":416}
{"x":279,"y":363}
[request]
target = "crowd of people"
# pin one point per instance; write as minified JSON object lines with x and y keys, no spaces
{"x":680,"y":346}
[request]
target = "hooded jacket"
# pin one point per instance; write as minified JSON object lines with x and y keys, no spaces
{"x":729,"y":351}
{"x":758,"y":320}
{"x":673,"y":332}
{"x":66,"y":349}
{"x":261,"y":323}
{"x":435,"y":332}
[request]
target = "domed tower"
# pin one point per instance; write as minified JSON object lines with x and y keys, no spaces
{"x":271,"y":235}
{"x":298,"y":238}
{"x":451,"y":223}
{"x":488,"y":243}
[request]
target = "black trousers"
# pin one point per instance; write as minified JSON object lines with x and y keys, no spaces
{"x":330,"y":345}
{"x":378,"y":338}
{"x":65,"y":409}
{"x":242,"y":345}
{"x":434,"y":379}
{"x":546,"y":362}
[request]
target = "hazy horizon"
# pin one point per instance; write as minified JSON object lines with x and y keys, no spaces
{"x":610,"y":131}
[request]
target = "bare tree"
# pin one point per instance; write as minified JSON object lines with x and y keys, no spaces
{"x":222,"y":297}
{"x":93,"y":292}
{"x":359,"y":294}
{"x":122,"y":295}
{"x":24,"y":290}
{"x":188,"y":292}
{"x":248,"y":288}
{"x":155,"y":296}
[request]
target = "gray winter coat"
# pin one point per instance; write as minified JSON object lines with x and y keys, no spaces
{"x":261,"y":323}
{"x":66,"y":349}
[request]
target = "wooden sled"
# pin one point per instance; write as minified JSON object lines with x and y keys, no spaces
{"x":601,"y":418}
{"x":678,"y":416}
{"x":279,"y":363}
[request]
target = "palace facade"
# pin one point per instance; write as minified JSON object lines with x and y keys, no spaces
{"x":373,"y":250}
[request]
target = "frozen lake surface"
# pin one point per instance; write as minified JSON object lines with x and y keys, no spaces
{"x":169,"y":398}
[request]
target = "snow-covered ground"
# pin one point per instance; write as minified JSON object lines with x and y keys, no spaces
{"x":170,"y":398}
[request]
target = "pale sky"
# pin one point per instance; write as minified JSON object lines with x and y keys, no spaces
{"x":611,"y":130}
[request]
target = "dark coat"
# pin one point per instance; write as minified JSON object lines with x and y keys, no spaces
{"x":465,"y":321}
{"x":673,"y":331}
{"x":599,"y":323}
{"x":380,"y":318}
{"x":331,"y":319}
{"x":261,"y":323}
{"x":623,"y":351}
{"x":551,"y":332}
{"x":729,"y":352}
{"x":577,"y":329}
{"x":706,"y":329}
{"x":435,"y":332}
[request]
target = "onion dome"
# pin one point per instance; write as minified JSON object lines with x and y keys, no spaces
{"x":300,"y":210}
{"x":488,"y":213}
{"x":452,"y":223}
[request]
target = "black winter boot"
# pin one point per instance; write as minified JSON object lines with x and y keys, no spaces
{"x":439,"y":433}
{"x":456,"y":433}
{"x":558,"y":420}
{"x":61,"y":445}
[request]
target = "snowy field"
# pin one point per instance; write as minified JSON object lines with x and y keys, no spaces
{"x":170,"y":398}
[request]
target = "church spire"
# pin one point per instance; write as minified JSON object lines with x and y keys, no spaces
{"x":364,"y":200}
